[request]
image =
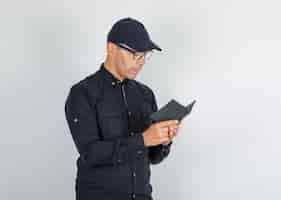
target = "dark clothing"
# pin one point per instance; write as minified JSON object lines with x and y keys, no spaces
{"x":106,"y":118}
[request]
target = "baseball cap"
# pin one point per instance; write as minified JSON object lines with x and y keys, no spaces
{"x":132,"y":33}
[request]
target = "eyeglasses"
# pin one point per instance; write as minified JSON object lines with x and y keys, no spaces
{"x":136,"y":55}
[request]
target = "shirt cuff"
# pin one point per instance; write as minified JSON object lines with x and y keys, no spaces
{"x":166,"y":148}
{"x":167,"y":145}
{"x":136,"y":142}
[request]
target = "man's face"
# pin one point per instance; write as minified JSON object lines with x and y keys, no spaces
{"x":126,"y":64}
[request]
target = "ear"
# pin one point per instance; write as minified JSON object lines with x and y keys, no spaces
{"x":110,"y":48}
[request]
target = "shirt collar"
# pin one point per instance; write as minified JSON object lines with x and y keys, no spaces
{"x":109,"y":77}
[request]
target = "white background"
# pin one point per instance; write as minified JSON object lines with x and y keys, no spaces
{"x":223,"y":53}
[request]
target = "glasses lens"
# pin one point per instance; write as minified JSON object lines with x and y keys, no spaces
{"x":139,"y":56}
{"x":148,"y":55}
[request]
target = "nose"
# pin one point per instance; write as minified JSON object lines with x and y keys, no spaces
{"x":141,"y":61}
{"x":137,"y":67}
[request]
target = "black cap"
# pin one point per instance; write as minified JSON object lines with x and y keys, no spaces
{"x":132,"y":33}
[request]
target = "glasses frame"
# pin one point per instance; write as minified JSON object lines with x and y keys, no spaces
{"x":136,"y":55}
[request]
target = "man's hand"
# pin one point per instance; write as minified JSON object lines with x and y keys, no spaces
{"x":160,"y":133}
{"x":173,"y":131}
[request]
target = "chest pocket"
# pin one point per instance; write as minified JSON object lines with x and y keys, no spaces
{"x":113,"y":125}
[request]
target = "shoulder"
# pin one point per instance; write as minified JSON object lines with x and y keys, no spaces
{"x":91,"y":81}
{"x":89,"y":87}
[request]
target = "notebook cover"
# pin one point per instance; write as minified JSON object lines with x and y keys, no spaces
{"x":172,"y":111}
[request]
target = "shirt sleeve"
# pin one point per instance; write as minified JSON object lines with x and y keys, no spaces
{"x":82,"y":122}
{"x":158,"y":153}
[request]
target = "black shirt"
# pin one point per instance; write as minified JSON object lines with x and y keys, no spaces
{"x":107,"y":118}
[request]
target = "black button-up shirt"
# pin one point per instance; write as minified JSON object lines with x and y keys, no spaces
{"x":107,"y":118}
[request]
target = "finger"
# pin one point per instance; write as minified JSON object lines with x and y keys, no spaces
{"x":175,"y":126}
{"x":167,"y":138}
{"x":164,"y":130}
{"x":176,"y":133}
{"x":168,"y":123}
{"x":164,"y":139}
{"x":176,"y":129}
{"x":171,"y":135}
{"x":166,"y":143}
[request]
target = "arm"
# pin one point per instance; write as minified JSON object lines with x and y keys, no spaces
{"x":82,"y":122}
{"x":159,"y":152}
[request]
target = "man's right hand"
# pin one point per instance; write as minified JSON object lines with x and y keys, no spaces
{"x":158,"y":133}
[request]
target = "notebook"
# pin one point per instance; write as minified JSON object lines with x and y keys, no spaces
{"x":173,"y":110}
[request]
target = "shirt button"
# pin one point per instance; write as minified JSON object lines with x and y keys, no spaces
{"x":134,"y":174}
{"x":132,"y":133}
{"x":75,"y":120}
{"x":113,"y":83}
{"x":139,"y":151}
{"x":134,"y":196}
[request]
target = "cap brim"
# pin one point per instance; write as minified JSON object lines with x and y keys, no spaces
{"x":150,"y":46}
{"x":155,"y":46}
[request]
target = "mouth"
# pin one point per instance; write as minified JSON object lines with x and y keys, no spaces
{"x":133,"y":72}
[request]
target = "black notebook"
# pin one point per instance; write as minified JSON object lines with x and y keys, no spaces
{"x":172,"y":111}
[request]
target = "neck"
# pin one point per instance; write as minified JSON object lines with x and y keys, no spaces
{"x":111,"y":67}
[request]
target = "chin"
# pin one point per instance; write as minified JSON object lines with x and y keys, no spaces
{"x":132,"y":76}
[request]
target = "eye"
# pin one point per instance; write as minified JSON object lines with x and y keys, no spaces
{"x":139,"y":55}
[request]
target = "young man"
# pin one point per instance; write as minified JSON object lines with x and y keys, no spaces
{"x":107,"y":113}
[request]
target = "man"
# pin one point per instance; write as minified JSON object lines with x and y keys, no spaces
{"x":107,"y":113}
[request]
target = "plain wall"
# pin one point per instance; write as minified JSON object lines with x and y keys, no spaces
{"x":223,"y":53}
